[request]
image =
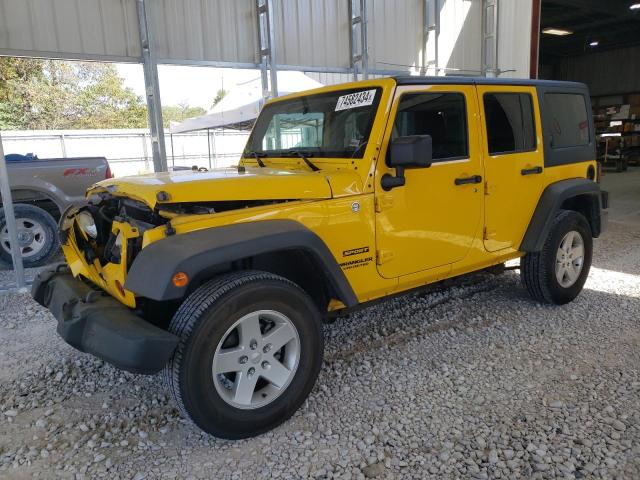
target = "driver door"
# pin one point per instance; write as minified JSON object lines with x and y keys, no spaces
{"x":434,"y":218}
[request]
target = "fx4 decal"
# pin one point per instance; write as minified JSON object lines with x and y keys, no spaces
{"x":76,"y":172}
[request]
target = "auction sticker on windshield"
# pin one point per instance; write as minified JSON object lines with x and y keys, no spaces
{"x":354,"y":100}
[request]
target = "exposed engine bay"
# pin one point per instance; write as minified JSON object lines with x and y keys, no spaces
{"x":98,"y":241}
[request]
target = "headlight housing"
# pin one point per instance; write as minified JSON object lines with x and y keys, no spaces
{"x":87,"y":224}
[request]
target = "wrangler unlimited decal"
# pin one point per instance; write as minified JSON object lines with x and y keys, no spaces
{"x":361,"y":262}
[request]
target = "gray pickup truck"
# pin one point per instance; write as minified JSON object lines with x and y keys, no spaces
{"x":42,"y":189}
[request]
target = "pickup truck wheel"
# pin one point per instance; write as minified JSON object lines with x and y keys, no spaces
{"x":37,"y":235}
{"x":558,"y":272}
{"x":250,"y":350}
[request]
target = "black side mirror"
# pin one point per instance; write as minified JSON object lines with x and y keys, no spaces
{"x":412,"y":151}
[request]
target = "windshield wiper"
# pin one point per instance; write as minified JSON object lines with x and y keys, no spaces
{"x":257,"y":156}
{"x":305,"y":157}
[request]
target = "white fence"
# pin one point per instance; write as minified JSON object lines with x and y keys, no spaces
{"x":129,"y":151}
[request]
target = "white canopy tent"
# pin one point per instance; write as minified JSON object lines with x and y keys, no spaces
{"x":240,"y":107}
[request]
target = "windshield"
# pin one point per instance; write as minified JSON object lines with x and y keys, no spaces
{"x":334,"y":125}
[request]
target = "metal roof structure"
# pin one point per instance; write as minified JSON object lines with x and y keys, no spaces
{"x":612,"y":24}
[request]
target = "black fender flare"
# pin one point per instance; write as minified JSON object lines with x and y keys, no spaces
{"x":195,"y":252}
{"x":551,"y":202}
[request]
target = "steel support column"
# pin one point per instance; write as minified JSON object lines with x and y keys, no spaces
{"x":431,"y":22}
{"x":209,"y":147}
{"x":152,"y":88}
{"x":536,"y":11}
{"x":490,"y":38}
{"x":63,"y":147}
{"x":267,"y":48}
{"x":173,"y":156}
{"x":358,"y":38}
{"x":10,"y":220}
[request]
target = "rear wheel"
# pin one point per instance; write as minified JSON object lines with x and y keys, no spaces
{"x":250,"y":351}
{"x":558,"y":272}
{"x":37,"y":235}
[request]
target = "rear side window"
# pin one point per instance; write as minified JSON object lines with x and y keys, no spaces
{"x":510,"y":122}
{"x":569,"y":121}
{"x":441,"y":115}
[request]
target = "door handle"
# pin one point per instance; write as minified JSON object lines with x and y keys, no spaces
{"x":531,"y":171}
{"x":466,"y":180}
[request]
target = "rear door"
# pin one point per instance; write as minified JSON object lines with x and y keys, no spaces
{"x":514,"y":161}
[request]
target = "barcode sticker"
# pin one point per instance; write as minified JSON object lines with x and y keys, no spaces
{"x":354,"y":100}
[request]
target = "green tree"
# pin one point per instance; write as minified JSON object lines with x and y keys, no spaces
{"x":220,"y":94}
{"x":14,"y":101}
{"x":104,"y":102}
{"x":50,"y":94}
{"x":179,"y":113}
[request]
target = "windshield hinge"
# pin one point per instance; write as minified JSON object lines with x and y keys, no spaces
{"x":383,"y":202}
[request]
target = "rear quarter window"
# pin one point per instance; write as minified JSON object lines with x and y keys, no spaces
{"x":569,"y":121}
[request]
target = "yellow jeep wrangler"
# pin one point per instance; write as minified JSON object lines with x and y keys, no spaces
{"x":344,"y":195}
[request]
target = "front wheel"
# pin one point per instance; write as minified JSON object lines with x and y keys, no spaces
{"x":250,"y":351}
{"x":558,"y":272}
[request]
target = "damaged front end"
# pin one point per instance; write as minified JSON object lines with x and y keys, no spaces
{"x":101,"y":239}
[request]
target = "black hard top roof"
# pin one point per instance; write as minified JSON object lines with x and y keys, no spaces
{"x":460,"y":80}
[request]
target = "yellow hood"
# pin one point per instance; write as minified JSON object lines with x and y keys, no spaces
{"x":230,"y":184}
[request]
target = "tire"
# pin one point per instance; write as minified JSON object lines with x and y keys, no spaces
{"x":37,"y":230}
{"x":538,"y":269}
{"x":207,"y":318}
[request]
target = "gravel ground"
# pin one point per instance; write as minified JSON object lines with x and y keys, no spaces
{"x":476,"y":381}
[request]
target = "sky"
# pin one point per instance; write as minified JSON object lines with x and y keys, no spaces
{"x":196,"y":86}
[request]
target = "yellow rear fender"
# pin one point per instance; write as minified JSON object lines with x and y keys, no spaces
{"x":579,"y":194}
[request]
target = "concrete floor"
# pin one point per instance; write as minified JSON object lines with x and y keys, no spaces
{"x":624,"y":193}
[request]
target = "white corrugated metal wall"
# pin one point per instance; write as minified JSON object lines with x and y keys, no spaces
{"x":459,"y":41}
{"x":336,"y":78}
{"x":514,"y":37}
{"x":205,"y":30}
{"x":395,"y":34}
{"x":101,"y":29}
{"x":312,"y":33}
{"x":395,"y":24}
